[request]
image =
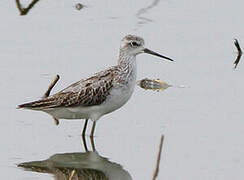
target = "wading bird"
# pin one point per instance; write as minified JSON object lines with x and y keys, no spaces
{"x":99,"y":94}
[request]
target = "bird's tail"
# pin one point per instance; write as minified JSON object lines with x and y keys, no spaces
{"x":39,"y":104}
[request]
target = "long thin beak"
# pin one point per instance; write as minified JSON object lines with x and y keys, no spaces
{"x":148,"y":51}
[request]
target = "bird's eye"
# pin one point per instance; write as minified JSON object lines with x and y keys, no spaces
{"x":134,"y":44}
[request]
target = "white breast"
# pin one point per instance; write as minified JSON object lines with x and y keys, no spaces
{"x":120,"y":95}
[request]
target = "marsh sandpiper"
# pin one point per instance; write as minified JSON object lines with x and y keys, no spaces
{"x":99,"y":94}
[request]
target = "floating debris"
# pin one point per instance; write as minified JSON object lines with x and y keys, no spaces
{"x":156,"y":84}
{"x":79,"y":6}
{"x":239,"y":53}
{"x":153,"y":84}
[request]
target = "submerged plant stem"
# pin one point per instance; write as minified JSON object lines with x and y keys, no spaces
{"x":155,"y":174}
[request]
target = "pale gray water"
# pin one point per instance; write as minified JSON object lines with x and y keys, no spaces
{"x":203,"y":124}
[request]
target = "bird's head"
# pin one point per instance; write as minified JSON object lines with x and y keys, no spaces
{"x":132,"y":45}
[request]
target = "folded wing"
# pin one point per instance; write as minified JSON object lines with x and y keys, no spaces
{"x":89,"y":92}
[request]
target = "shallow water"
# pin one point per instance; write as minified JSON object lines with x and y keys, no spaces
{"x":203,"y":124}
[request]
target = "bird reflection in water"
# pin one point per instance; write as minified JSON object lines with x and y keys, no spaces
{"x":88,"y":165}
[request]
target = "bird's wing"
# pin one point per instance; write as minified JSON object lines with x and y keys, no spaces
{"x":88,"y":92}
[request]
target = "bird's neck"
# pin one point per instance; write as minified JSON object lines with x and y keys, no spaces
{"x":127,"y":66}
{"x":126,"y":60}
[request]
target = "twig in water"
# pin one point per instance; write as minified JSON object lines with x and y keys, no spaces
{"x":155,"y":174}
{"x":47,"y":93}
{"x":24,"y":11}
{"x":239,"y":53}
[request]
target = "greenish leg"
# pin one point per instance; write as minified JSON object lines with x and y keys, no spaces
{"x":84,"y":143}
{"x":84,"y":128}
{"x":92,"y":143}
{"x":93,"y":129}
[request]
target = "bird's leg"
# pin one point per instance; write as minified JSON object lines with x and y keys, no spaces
{"x":56,"y":121}
{"x":84,"y":128}
{"x":92,"y":143}
{"x":84,"y":143}
{"x":93,"y":129}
